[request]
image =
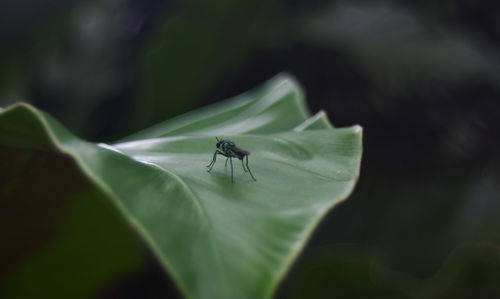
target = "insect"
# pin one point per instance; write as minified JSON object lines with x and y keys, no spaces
{"x":229,"y":150}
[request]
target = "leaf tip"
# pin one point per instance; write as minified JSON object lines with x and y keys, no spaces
{"x":288,"y":79}
{"x":357,"y":129}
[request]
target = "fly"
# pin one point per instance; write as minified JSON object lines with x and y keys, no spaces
{"x":229,"y":150}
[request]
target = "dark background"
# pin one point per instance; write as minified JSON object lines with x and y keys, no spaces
{"x":423,"y":79}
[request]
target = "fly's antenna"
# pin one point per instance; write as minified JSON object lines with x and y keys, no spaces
{"x":217,"y":139}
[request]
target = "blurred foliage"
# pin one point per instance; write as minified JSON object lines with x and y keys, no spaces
{"x":52,"y":240}
{"x":201,"y":44}
{"x":397,"y":49}
{"x":344,"y":272}
{"x":420,"y":77}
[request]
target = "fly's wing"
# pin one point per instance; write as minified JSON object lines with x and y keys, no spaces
{"x":239,"y":152}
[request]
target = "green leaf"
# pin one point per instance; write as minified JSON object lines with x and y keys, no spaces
{"x":315,"y":122}
{"x":217,"y":239}
{"x":276,"y":106}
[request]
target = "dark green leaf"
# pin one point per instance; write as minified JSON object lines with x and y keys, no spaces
{"x":217,"y":239}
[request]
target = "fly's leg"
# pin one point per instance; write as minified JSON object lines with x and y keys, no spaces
{"x":225,"y":165}
{"x":249,"y":170}
{"x":211,"y":165}
{"x":243,"y":165}
{"x":231,"y":161}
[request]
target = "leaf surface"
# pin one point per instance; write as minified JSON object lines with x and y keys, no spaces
{"x":217,"y":239}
